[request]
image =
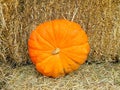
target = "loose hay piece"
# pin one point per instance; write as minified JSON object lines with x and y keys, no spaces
{"x":99,"y":18}
{"x":89,"y":77}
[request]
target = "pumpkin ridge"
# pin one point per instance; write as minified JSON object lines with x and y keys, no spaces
{"x":69,"y":63}
{"x":45,"y":40}
{"x":76,"y":60}
{"x":53,"y":29}
{"x":46,"y":59}
{"x":52,"y":38}
{"x":41,"y":51}
{"x":62,"y":64}
{"x":72,"y":59}
{"x":40,"y":59}
{"x":74,"y":54}
{"x":65,"y":37}
{"x":43,"y":68}
{"x":36,"y":48}
{"x":75,"y":45}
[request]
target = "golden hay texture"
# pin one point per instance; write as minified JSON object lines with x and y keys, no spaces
{"x":88,"y":77}
{"x":99,"y":18}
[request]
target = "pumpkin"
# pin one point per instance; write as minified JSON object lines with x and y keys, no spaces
{"x":58,"y":47}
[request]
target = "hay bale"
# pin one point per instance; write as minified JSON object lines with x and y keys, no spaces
{"x":103,"y":76}
{"x":99,"y":18}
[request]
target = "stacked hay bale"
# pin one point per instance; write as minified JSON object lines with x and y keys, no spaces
{"x":99,"y":18}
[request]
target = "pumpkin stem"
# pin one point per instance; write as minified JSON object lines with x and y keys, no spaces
{"x":56,"y":51}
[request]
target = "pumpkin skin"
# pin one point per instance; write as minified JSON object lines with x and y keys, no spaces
{"x":58,"y":47}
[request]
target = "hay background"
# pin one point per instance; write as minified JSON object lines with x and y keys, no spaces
{"x":99,"y":18}
{"x":103,"y":76}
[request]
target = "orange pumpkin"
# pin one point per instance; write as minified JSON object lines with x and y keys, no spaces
{"x":58,"y":47}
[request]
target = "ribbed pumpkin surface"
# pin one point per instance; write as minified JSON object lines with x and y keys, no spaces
{"x":58,"y":47}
